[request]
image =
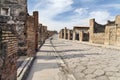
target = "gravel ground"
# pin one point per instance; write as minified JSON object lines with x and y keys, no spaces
{"x":89,"y":62}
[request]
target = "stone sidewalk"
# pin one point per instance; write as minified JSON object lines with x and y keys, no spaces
{"x":45,"y":66}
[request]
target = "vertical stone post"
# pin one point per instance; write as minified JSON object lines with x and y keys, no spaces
{"x":65,"y":31}
{"x":107,"y":35}
{"x":68,"y":34}
{"x":35,"y":14}
{"x":92,"y":24}
{"x":60,"y":35}
{"x":74,"y":35}
{"x":30,"y":36}
{"x":81,"y":36}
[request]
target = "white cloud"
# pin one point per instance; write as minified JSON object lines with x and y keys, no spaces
{"x":81,"y":11}
{"x":101,"y":16}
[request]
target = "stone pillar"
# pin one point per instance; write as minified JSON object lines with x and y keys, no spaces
{"x":60,"y":34}
{"x":92,"y":24}
{"x":39,"y":36}
{"x":30,"y":36}
{"x":81,"y":36}
{"x":35,"y":14}
{"x":74,"y":35}
{"x":107,"y":35}
{"x":68,"y":34}
{"x":65,"y":31}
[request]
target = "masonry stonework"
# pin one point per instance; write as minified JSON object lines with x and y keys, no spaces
{"x":8,"y":52}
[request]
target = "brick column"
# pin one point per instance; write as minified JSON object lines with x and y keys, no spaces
{"x":92,"y":24}
{"x":30,"y":36}
{"x":35,"y":14}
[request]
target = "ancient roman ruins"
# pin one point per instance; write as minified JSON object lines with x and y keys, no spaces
{"x":22,"y":34}
{"x":107,"y":34}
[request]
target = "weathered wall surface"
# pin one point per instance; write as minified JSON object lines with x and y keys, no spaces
{"x":81,"y":33}
{"x":97,"y":32}
{"x":99,"y":38}
{"x":15,"y":10}
{"x":8,"y":54}
{"x":32,"y":34}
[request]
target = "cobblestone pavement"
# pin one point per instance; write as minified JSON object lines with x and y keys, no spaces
{"x":89,"y":62}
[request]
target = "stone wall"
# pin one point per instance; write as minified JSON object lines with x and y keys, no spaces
{"x":61,"y":34}
{"x":32,"y":34}
{"x":8,"y":54}
{"x":15,"y":10}
{"x":98,"y":38}
{"x":113,"y":33}
{"x":96,"y":32}
{"x":108,"y":34}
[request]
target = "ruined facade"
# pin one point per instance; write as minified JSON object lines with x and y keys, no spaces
{"x":97,"y":32}
{"x":65,"y":34}
{"x":61,"y":34}
{"x":81,"y":33}
{"x":15,"y":10}
{"x":108,"y":34}
{"x":112,"y":32}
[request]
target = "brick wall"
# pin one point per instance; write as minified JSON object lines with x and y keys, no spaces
{"x":32,"y":34}
{"x":8,"y":55}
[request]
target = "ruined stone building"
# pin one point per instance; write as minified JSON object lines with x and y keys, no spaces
{"x":81,"y":33}
{"x":16,"y":10}
{"x":97,"y":32}
{"x":78,"y":33}
{"x":105,"y":34}
{"x":12,"y":25}
{"x":66,"y":34}
{"x":112,"y":32}
{"x":61,"y":34}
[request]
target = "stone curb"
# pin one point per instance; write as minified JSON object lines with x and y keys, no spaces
{"x":98,"y":45}
{"x":23,"y":70}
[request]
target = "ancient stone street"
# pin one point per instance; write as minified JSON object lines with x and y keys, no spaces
{"x":85,"y":62}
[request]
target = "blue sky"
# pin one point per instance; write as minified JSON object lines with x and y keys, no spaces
{"x":57,"y":14}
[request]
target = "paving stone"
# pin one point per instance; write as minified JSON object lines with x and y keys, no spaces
{"x":114,"y":78}
{"x":114,"y":69}
{"x":90,"y":76}
{"x":99,"y":72}
{"x":102,"y":78}
{"x":89,"y":71}
{"x":109,"y":73}
{"x":80,"y":68}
